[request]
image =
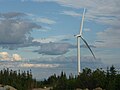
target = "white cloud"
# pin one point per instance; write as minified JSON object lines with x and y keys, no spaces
{"x":7,"y":57}
{"x":54,"y":38}
{"x":71,"y":13}
{"x":38,"y":65}
{"x":16,"y":57}
{"x":4,"y":56}
{"x":101,"y":11}
{"x":109,"y":38}
{"x":44,"y":20}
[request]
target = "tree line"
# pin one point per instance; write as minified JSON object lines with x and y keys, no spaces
{"x":91,"y":79}
{"x":108,"y":80}
{"x":21,"y":80}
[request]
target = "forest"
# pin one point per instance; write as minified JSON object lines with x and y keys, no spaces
{"x":21,"y":80}
{"x":91,"y":79}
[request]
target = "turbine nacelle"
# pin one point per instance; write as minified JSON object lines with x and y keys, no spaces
{"x":78,"y":35}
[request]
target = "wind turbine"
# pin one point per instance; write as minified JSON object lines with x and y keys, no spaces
{"x":79,"y":37}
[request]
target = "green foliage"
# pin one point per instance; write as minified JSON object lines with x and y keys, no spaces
{"x":108,"y":80}
{"x":20,"y":81}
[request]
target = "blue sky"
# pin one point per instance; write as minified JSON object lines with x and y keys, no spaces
{"x":43,"y":30}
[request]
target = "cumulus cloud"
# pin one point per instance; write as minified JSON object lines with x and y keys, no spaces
{"x":4,"y":56}
{"x":54,"y":48}
{"x":15,"y":30}
{"x":16,"y":57}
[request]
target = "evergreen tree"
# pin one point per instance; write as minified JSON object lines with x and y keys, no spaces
{"x":98,"y":78}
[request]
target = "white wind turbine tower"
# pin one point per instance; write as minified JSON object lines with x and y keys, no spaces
{"x":79,"y":36}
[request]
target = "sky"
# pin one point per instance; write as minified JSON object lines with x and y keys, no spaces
{"x":39,"y":34}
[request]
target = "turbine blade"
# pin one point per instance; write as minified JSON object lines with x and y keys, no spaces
{"x":81,"y":26}
{"x":88,"y":47}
